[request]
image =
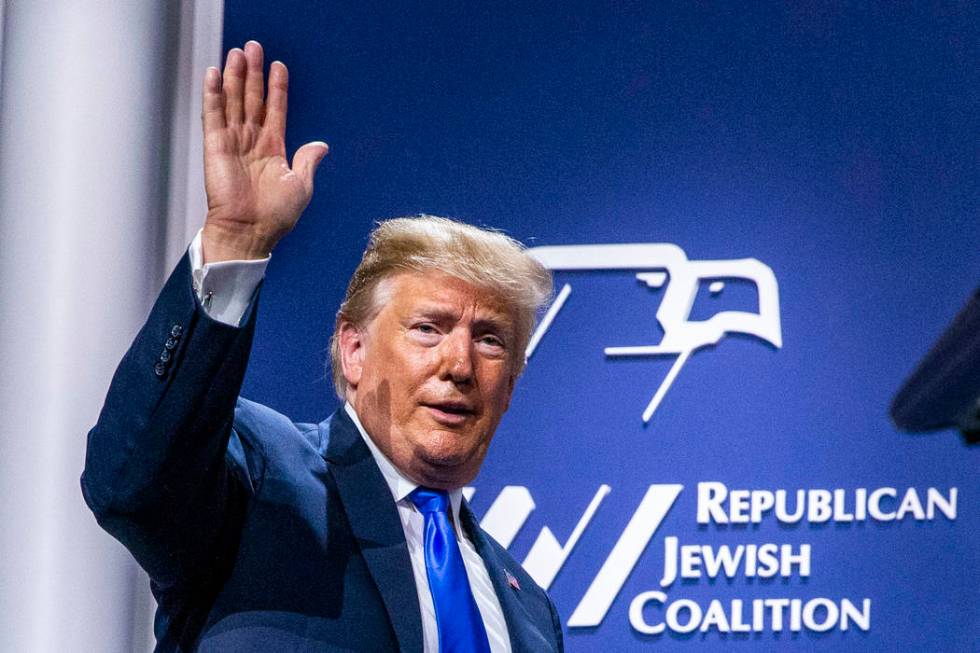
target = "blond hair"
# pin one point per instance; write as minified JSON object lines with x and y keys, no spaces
{"x":485,"y":258}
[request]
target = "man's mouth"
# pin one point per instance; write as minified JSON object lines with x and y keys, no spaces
{"x":450,"y":413}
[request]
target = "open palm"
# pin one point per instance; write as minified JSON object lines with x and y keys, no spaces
{"x":254,"y":196}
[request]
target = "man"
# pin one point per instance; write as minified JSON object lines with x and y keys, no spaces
{"x":260,"y":534}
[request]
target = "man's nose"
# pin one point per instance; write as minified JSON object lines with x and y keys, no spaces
{"x":457,"y":358}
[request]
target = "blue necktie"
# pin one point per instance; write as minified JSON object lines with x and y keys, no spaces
{"x":458,"y":619}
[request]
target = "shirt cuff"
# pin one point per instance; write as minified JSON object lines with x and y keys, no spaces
{"x":225,"y":289}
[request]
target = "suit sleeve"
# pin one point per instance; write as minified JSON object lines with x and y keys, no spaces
{"x":158,"y":474}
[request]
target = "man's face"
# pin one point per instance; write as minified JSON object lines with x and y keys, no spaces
{"x":431,"y":375}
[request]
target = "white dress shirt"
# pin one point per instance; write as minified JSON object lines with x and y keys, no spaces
{"x":413,"y":524}
{"x":225,"y":290}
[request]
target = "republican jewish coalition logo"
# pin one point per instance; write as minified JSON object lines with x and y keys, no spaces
{"x":657,"y":264}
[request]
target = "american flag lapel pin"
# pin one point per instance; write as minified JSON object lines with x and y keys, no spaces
{"x":512,"y":581}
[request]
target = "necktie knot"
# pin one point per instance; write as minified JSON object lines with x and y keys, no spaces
{"x":428,"y":500}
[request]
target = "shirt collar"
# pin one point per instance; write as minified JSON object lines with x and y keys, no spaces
{"x":399,"y":484}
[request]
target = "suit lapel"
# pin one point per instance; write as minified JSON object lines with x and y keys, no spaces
{"x":518,"y":618}
{"x":374,"y":521}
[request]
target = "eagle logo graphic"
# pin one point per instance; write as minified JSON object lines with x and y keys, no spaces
{"x":657,"y":264}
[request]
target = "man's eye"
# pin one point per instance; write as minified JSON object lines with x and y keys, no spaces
{"x":493,"y":341}
{"x":426,"y":328}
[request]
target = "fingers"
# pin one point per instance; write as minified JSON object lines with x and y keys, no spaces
{"x":254,"y":83}
{"x":275,"y":106}
{"x":234,"y":85}
{"x":306,"y":160}
{"x":213,"y":110}
{"x":237,"y":95}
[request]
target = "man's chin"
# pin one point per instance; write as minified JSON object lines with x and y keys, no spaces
{"x":447,"y":469}
{"x":446,"y":460}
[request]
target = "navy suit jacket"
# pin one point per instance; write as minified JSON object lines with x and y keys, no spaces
{"x":260,"y":534}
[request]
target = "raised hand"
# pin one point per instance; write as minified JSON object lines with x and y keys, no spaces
{"x":254,"y":196}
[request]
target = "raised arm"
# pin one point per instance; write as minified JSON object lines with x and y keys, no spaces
{"x":165,"y":472}
{"x":254,"y":196}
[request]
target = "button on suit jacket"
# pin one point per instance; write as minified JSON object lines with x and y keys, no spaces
{"x":258,"y":533}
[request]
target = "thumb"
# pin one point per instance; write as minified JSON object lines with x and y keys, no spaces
{"x":306,"y":160}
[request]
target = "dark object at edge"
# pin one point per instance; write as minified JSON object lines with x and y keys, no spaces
{"x":944,"y":390}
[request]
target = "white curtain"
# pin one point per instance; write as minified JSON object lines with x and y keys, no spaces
{"x":100,"y":191}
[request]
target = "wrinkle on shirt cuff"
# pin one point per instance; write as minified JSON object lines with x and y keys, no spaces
{"x":225,"y":289}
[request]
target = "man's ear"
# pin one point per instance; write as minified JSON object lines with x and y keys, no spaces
{"x":351,"y":353}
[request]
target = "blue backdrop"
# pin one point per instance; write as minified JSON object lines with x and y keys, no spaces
{"x":835,"y":144}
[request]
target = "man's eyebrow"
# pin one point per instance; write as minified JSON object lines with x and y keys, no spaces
{"x":499,"y":324}
{"x":491,"y":320}
{"x":434,"y":311}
